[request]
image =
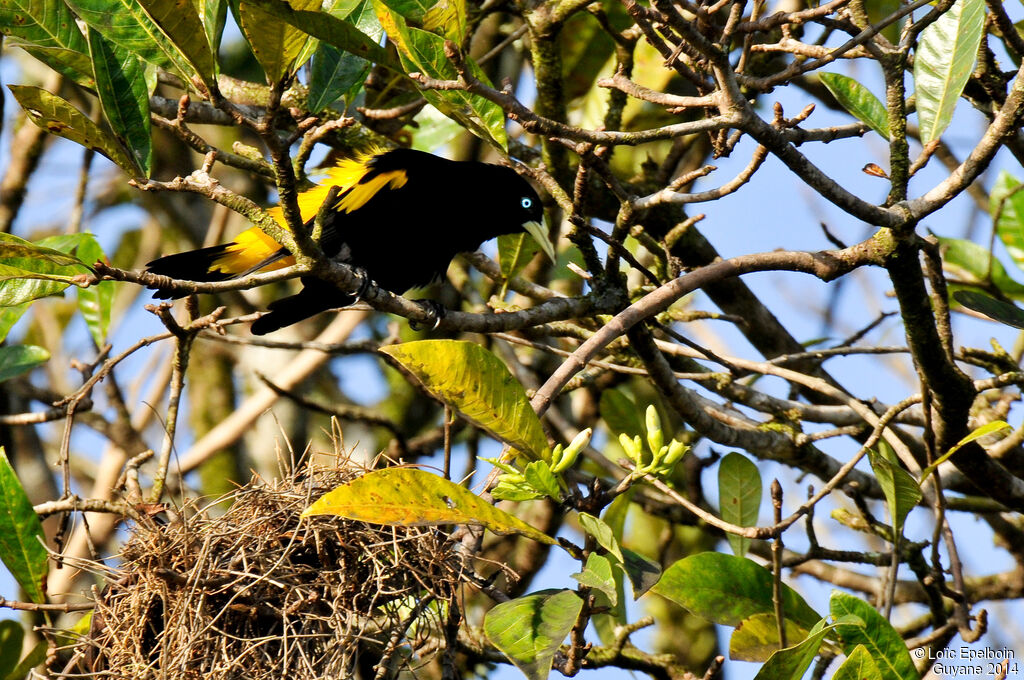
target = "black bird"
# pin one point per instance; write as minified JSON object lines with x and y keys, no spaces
{"x":400,"y":218}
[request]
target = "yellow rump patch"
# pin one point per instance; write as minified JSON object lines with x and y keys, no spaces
{"x":346,"y":175}
{"x":247,"y":251}
{"x":253,"y":246}
{"x":358,"y":195}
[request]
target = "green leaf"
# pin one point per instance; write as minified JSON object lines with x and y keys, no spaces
{"x":9,"y":316}
{"x":983,"y":431}
{"x":447,"y":18}
{"x":1006,"y":206}
{"x":12,"y":635}
{"x":858,"y":100}
{"x":335,"y":73}
{"x":180,"y":22}
{"x":514,"y":252}
{"x":901,"y":490}
{"x":530,"y":629}
{"x":47,"y":30}
{"x":423,"y":51}
{"x":434,"y":131}
{"x":858,"y":666}
{"x":18,"y":360}
{"x":620,"y":414}
{"x":791,"y":663}
{"x":943,"y":62}
{"x":213,"y":14}
{"x":332,"y":74}
{"x":972,"y":263}
{"x":311,"y":44}
{"x":21,"y":535}
{"x":277,"y":45}
{"x":124,"y":98}
{"x":605,"y":624}
{"x":31,"y":660}
{"x":757,"y":638}
{"x":598,"y":574}
{"x":602,"y":533}
{"x":997,"y":310}
{"x":329,"y":29}
{"x":44,"y":23}
{"x":95,"y":302}
{"x":363,"y":16}
{"x":33,"y":270}
{"x":76,"y":631}
{"x":410,"y":9}
{"x":410,"y":497}
{"x":643,"y":572}
{"x":21,"y":285}
{"x":480,"y":116}
{"x":879,"y":10}
{"x":739,"y":497}
{"x":18,"y":248}
{"x":616,"y":512}
{"x":126,"y":24}
{"x":883,"y":643}
{"x":63,"y":247}
{"x":515,"y":491}
{"x":74,"y":66}
{"x":538,"y":475}
{"x":727,"y":589}
{"x":475,"y":383}
{"x":585,"y":49}
{"x":59,"y":117}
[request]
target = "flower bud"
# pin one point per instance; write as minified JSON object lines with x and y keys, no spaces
{"x":676,"y":449}
{"x":556,"y":455}
{"x":631,"y":447}
{"x":578,"y":443}
{"x":655,"y":437}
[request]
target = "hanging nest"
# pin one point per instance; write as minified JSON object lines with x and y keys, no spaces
{"x":258,"y":593}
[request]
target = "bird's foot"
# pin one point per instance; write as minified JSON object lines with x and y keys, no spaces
{"x":365,"y":283}
{"x":434,"y":309}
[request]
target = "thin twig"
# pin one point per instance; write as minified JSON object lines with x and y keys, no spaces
{"x":780,"y":616}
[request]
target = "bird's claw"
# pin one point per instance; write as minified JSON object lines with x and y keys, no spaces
{"x":365,"y":283}
{"x":434,"y":309}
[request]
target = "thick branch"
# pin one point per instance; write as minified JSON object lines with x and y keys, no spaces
{"x":952,"y":391}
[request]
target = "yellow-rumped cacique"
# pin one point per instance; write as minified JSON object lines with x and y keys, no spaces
{"x":401,"y":217}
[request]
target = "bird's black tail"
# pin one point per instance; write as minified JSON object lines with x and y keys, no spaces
{"x":316,"y":296}
{"x":194,"y":265}
{"x":251,"y":251}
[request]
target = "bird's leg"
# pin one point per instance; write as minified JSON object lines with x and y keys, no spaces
{"x":365,"y":283}
{"x":434,"y":309}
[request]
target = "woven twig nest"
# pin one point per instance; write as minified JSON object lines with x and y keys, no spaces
{"x":260,"y":593}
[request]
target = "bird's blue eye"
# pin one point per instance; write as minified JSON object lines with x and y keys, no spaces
{"x":526,"y":202}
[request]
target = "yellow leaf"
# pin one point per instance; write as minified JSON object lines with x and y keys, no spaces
{"x":411,"y":497}
{"x":475,"y":383}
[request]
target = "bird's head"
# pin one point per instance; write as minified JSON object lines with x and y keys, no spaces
{"x":521,"y":202}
